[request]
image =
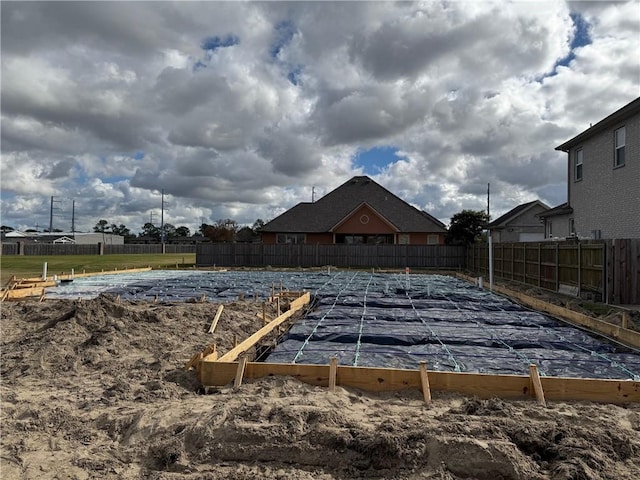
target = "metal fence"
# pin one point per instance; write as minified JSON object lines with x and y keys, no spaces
{"x":355,"y":256}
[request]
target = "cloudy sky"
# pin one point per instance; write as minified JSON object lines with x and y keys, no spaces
{"x":242,"y":110}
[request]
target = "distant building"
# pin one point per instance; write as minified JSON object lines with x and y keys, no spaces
{"x":603,"y":180}
{"x":62,"y":238}
{"x":520,"y":224}
{"x":359,"y":211}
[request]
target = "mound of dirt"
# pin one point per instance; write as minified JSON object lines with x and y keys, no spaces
{"x":97,"y":389}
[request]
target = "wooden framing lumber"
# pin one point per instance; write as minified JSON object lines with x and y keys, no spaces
{"x":333,"y":371}
{"x":242,"y":347}
{"x":212,"y":373}
{"x":214,"y":324}
{"x":536,"y":384}
{"x":424,"y":383}
{"x":240,"y":371}
{"x":70,"y":276}
{"x":18,"y":293}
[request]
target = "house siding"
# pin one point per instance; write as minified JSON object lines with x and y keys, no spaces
{"x":364,"y":221}
{"x":527,"y":222}
{"x":607,"y":198}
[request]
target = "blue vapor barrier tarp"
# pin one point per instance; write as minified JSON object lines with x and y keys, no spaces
{"x":453,"y":326}
{"x":391,"y":320}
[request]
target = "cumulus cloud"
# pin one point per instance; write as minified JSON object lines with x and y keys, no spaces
{"x":241,"y":110}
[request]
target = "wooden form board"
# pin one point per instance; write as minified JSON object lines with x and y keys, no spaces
{"x":212,"y":373}
{"x":623,"y":335}
{"x":68,"y":276}
{"x":294,"y":306}
{"x":22,"y":293}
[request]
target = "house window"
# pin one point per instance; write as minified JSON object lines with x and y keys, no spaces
{"x":364,"y":239}
{"x":572,"y":227}
{"x":620,"y":143}
{"x":293,"y":238}
{"x":433,"y":239}
{"x":403,"y":239}
{"x":549,"y":229}
{"x":578,"y":174}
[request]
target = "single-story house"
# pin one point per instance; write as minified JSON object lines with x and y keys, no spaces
{"x":520,"y":224}
{"x":360,"y":211}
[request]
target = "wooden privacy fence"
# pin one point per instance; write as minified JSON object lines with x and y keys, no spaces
{"x":355,"y":256}
{"x":604,"y":270}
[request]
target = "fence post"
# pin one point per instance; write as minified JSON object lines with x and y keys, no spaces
{"x":539,"y":264}
{"x":557,"y":267}
{"x":579,"y":270}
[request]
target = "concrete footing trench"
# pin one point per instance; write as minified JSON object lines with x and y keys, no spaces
{"x":391,"y":320}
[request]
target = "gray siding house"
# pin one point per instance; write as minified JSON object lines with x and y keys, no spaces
{"x":520,"y":224}
{"x":603,"y":180}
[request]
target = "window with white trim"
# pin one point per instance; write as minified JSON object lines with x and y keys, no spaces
{"x":291,"y":238}
{"x":578,"y":158}
{"x":549,"y":229}
{"x":433,"y":239}
{"x":620,"y":140}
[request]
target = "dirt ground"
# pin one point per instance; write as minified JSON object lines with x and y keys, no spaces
{"x":97,"y":390}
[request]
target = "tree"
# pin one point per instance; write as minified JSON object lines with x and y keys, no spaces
{"x":223,"y":231}
{"x":102,"y":226}
{"x":6,"y":229}
{"x":202,"y":228}
{"x":150,"y":230}
{"x":257,"y":225}
{"x":120,"y":230}
{"x":169,"y":231}
{"x":466,"y":227}
{"x":183,"y":231}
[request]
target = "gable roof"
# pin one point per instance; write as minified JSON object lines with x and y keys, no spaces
{"x":632,"y":108}
{"x":562,"y":209}
{"x":323,"y":215}
{"x":515,"y":212}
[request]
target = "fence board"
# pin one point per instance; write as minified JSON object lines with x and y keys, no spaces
{"x":356,"y":256}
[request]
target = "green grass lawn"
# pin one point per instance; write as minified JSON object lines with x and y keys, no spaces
{"x":31,"y":266}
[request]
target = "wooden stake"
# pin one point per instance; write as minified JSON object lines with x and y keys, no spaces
{"x":240,"y":371}
{"x":235,"y":340}
{"x":203,"y":298}
{"x":333,"y":371}
{"x":424,"y":380}
{"x":537,"y":384}
{"x":214,"y":324}
{"x":273,"y":290}
{"x":278,"y":306}
{"x":625,"y":319}
{"x":118,"y":299}
{"x":264,"y":313}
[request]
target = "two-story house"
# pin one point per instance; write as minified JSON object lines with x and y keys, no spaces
{"x":603,"y":180}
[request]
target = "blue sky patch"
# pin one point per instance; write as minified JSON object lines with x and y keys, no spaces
{"x":138,"y":155}
{"x":212,"y":43}
{"x":581,"y":38}
{"x":375,"y":159}
{"x":284,"y":33}
{"x":294,"y":75}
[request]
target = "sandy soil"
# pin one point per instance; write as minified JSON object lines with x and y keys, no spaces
{"x":97,"y":389}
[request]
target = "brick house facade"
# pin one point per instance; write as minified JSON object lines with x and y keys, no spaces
{"x":358,"y":212}
{"x":603,"y":180}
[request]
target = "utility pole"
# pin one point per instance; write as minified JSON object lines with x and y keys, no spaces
{"x":73,"y":218}
{"x":489,"y":239}
{"x":51,"y":213}
{"x":162,"y":219}
{"x":313,"y":194}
